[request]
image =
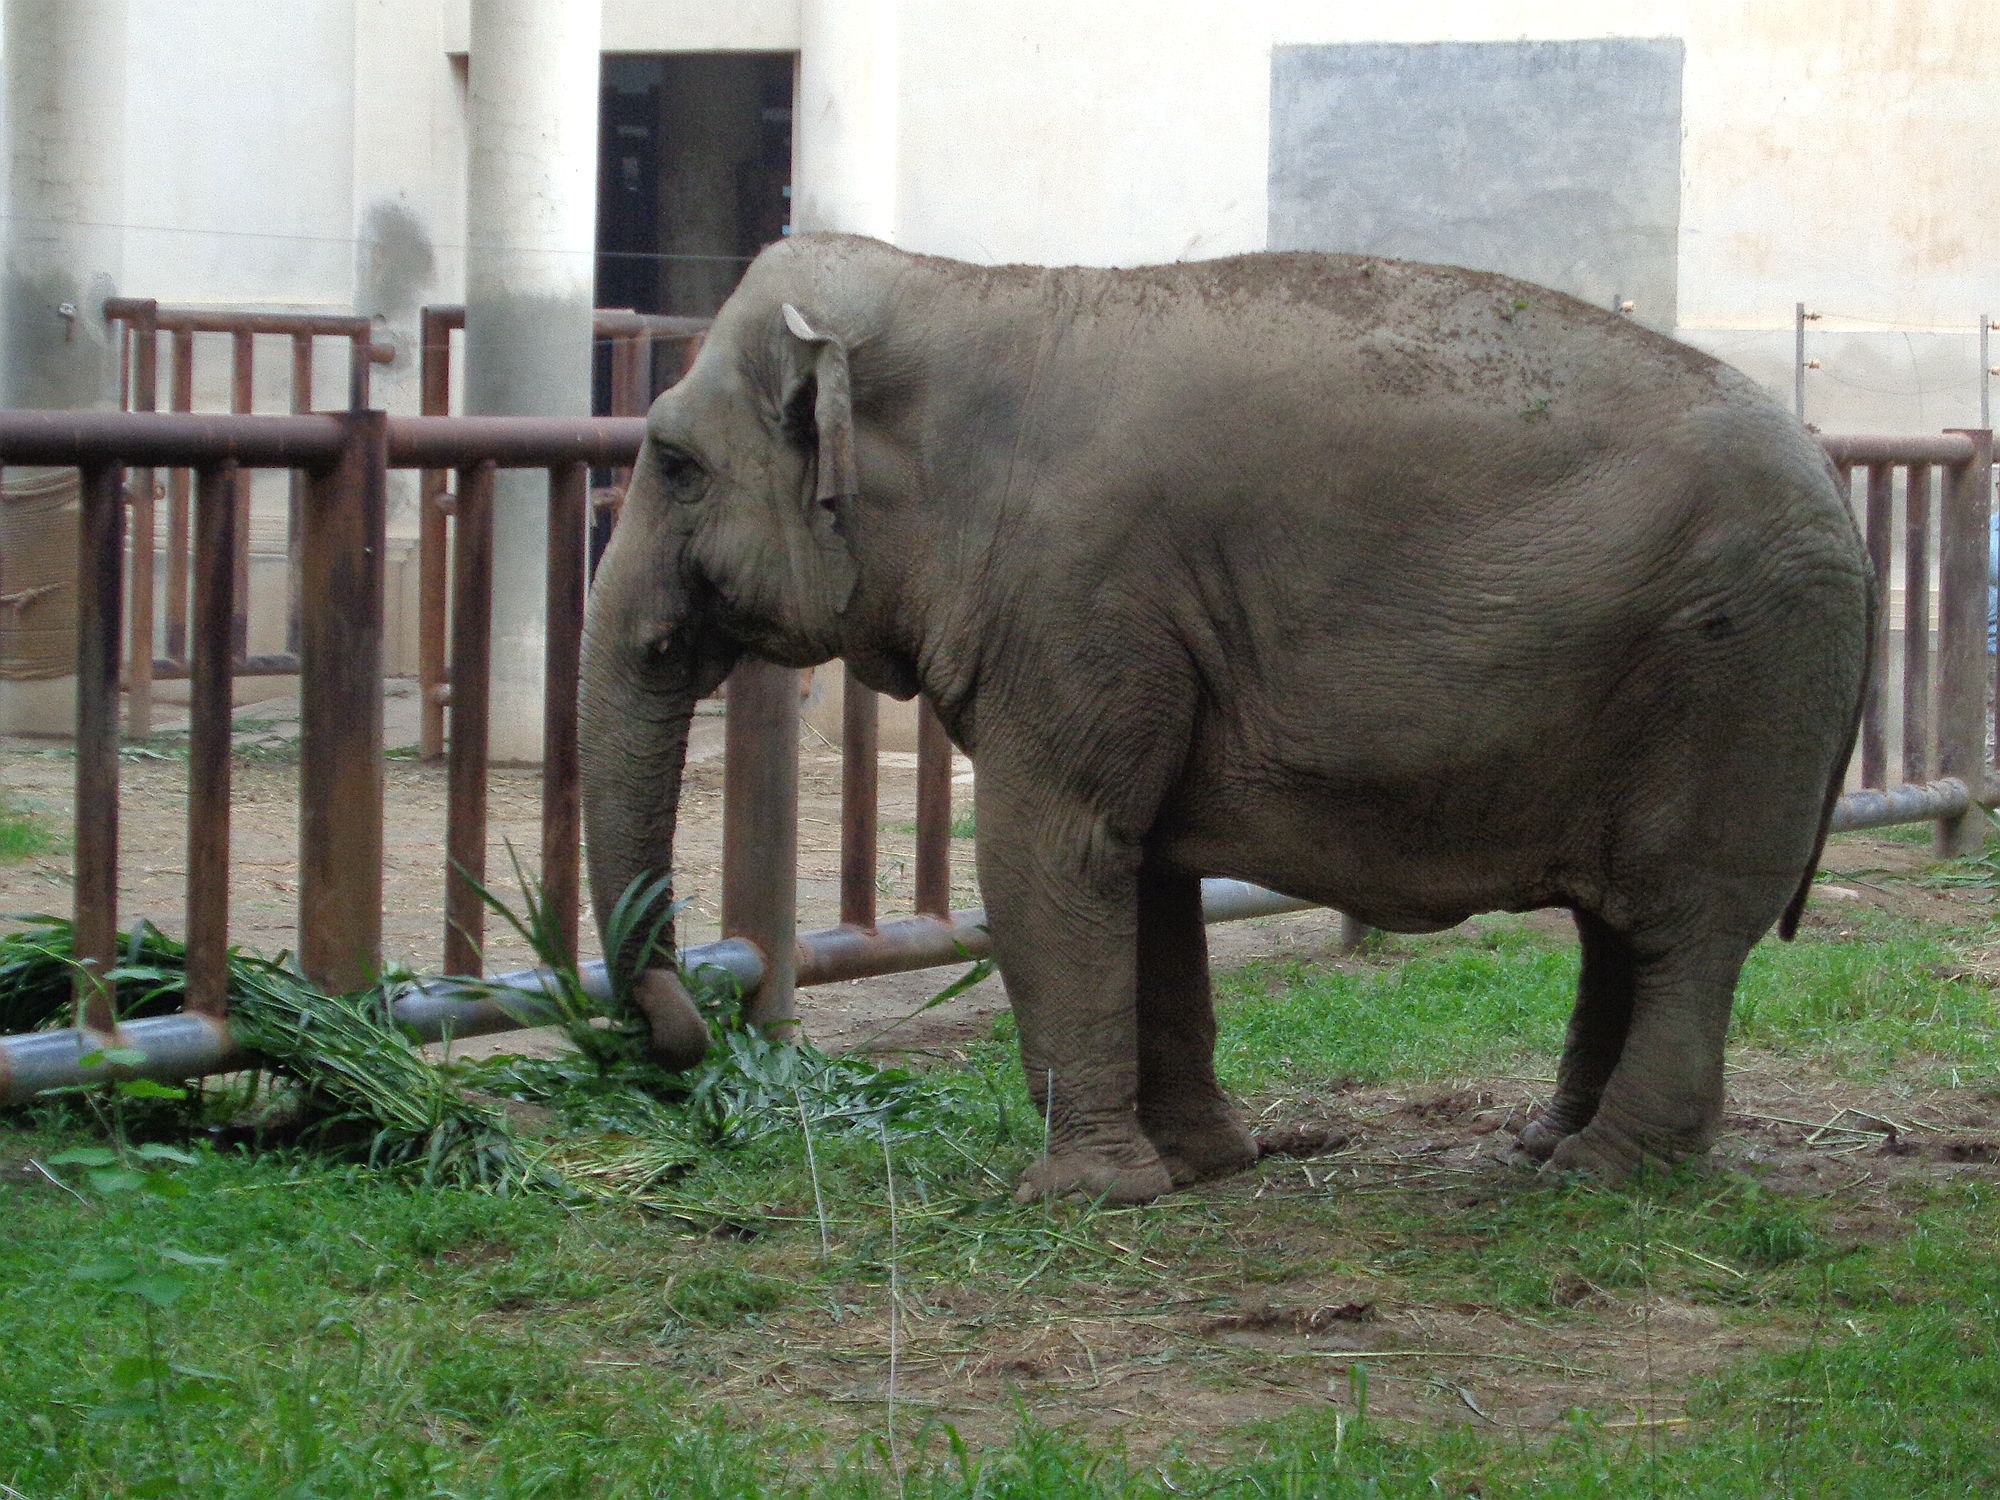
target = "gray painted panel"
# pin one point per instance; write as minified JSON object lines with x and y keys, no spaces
{"x":1558,"y":162}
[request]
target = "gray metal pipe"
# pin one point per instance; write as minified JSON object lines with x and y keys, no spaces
{"x":1946,"y":798}
{"x":186,"y":1045}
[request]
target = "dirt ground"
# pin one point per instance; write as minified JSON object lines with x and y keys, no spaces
{"x":1210,"y":1347}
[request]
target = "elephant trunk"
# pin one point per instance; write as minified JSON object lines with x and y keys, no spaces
{"x":636,"y":707}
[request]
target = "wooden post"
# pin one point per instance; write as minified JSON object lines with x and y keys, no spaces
{"x":100,"y":567}
{"x":1965,"y":670}
{"x":145,"y":396}
{"x":471,"y":683}
{"x":760,"y":831}
{"x":210,"y":711}
{"x":343,"y":534}
{"x":569,"y":506}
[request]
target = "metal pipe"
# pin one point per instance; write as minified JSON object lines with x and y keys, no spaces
{"x":181,"y":398}
{"x":860,"y":799}
{"x":433,"y":559}
{"x":1917,"y":623}
{"x":1851,"y":449}
{"x":1965,"y":670}
{"x":513,"y":442}
{"x":186,"y":1045}
{"x":1882,"y":808}
{"x":100,"y":570}
{"x":225,"y":320}
{"x":933,"y":876}
{"x":760,"y":828}
{"x":471,"y":682}
{"x":168,"y":439}
{"x":144,"y":341}
{"x":1877,"y":526}
{"x":561,"y":809}
{"x":216,"y":543}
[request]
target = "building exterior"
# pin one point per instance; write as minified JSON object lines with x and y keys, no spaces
{"x":1712,"y":164}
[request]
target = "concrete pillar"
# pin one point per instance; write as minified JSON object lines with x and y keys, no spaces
{"x":531,"y":231}
{"x":844,"y":172}
{"x":65,"y":123}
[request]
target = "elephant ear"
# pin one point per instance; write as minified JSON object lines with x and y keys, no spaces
{"x":833,"y":407}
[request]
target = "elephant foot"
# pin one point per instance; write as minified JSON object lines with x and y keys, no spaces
{"x":679,"y":1035}
{"x":1610,"y":1155}
{"x":1128,"y":1177}
{"x":1215,"y":1145}
{"x":1540,"y":1137}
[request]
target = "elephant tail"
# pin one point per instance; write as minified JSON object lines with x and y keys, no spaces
{"x":1788,"y":924}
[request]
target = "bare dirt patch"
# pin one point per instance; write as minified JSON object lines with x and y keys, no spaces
{"x":1286,"y":1294}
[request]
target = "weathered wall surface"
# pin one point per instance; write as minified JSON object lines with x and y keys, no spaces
{"x":1557,"y":162}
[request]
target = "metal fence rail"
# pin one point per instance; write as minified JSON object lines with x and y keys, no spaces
{"x":345,"y":460}
{"x":635,"y":341}
{"x":140,"y":322}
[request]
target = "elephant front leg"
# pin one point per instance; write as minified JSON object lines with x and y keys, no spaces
{"x":1182,"y":1108}
{"x":1062,"y":898}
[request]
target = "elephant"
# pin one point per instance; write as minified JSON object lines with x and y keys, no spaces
{"x":1411,"y":590}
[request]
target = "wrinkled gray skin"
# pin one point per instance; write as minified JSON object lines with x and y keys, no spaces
{"x":1411,"y":590}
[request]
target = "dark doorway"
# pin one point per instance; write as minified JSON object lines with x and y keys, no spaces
{"x":694,"y":175}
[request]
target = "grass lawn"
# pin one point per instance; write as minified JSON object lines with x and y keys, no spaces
{"x":1384,"y":1307}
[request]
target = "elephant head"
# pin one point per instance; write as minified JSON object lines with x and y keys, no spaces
{"x":731,"y":539}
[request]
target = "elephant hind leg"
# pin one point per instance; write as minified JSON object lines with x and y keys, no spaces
{"x":1596,"y":1039}
{"x":1663,"y":1101}
{"x":1182,"y":1108}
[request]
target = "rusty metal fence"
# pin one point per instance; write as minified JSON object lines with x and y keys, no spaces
{"x":1946,"y":494}
{"x":140,"y":322}
{"x":635,"y":341}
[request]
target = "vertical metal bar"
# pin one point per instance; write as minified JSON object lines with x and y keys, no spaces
{"x":1799,"y":360}
{"x":1917,"y":624}
{"x":642,"y":371}
{"x":760,"y":830}
{"x":1985,"y":372}
{"x":1879,"y":529}
{"x":209,"y":714}
{"x":1964,"y":670}
{"x":933,"y":813}
{"x":241,"y":356}
{"x":145,"y":396}
{"x":569,"y":507}
{"x":342,"y":539}
{"x":360,"y":356}
{"x":302,"y":401}
{"x":181,"y":398}
{"x":860,"y":742}
{"x":433,"y":561}
{"x":471,"y":676}
{"x":100,"y":568}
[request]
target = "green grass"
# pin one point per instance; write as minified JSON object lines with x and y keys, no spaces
{"x":24,"y":832}
{"x":715,"y":1323}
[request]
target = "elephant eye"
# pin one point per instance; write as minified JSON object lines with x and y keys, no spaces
{"x":680,"y":472}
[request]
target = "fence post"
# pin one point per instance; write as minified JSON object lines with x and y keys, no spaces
{"x":933,"y":882}
{"x":1878,"y":529}
{"x":860,"y":796}
{"x":433,"y":563}
{"x":760,"y":831}
{"x":342,"y":539}
{"x":209,"y":713}
{"x":569,"y":508}
{"x":100,"y":568}
{"x":471,"y":683}
{"x":242,"y":388}
{"x":143,"y":336}
{"x":1965,"y":670}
